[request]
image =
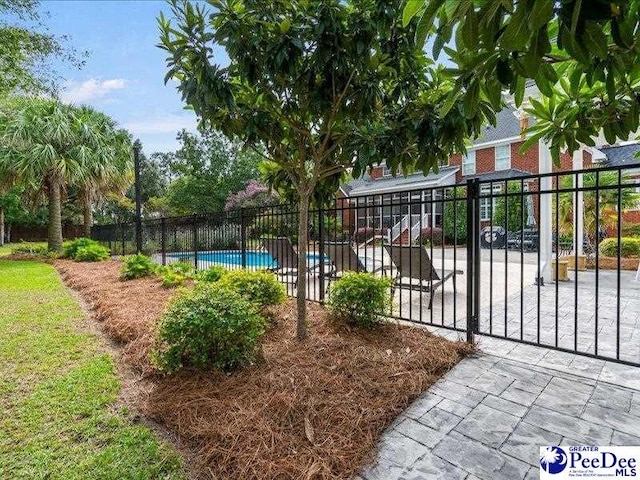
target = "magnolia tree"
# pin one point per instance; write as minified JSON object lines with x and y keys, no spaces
{"x":583,"y":56}
{"x":318,"y":88}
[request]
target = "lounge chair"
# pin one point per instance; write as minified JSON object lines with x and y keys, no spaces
{"x":343,"y":258}
{"x":286,"y":258}
{"x":415,"y":270}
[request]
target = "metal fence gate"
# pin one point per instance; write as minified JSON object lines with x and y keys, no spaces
{"x":510,"y":258}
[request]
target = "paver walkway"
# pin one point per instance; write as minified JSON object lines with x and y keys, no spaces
{"x":487,"y":418}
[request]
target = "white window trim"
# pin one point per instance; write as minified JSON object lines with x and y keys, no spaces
{"x":495,"y":156}
{"x":637,"y":189}
{"x":466,"y":159}
{"x":485,"y":208}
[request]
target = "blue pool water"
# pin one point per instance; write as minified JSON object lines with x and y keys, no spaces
{"x":234,"y":257}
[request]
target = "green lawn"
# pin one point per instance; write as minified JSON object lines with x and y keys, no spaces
{"x":57,"y":391}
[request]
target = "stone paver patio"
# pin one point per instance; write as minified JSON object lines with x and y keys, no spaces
{"x":487,"y":418}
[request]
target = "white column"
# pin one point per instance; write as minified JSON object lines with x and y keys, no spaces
{"x":545,"y":213}
{"x":433,"y":208}
{"x":578,"y":206}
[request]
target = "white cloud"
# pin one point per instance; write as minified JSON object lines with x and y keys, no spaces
{"x":92,"y":89}
{"x":162,"y":124}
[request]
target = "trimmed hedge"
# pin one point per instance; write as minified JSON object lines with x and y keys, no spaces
{"x":630,"y":247}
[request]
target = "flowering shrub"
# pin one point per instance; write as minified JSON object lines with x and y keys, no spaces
{"x":363,"y":234}
{"x":434,"y":235}
{"x":254,"y":195}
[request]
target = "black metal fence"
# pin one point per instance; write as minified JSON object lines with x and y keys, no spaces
{"x":501,"y":258}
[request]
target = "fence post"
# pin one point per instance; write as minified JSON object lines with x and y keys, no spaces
{"x":163,"y":239}
{"x":472,"y":241}
{"x":243,"y":237}
{"x":476,"y":258}
{"x":194,"y":232}
{"x":321,"y":251}
{"x":122,"y":237}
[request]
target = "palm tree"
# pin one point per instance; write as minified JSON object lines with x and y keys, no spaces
{"x":605,"y":207}
{"x":48,"y":145}
{"x":106,"y":152}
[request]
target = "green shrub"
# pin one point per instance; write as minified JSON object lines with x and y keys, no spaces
{"x":30,"y":249}
{"x":91,"y":253}
{"x":183,"y":268}
{"x":630,"y":247}
{"x":176,"y":273}
{"x":209,"y":326}
{"x":71,"y":247}
{"x":632,"y":230}
{"x":455,"y":216}
{"x":360,"y":299}
{"x":172,"y":279}
{"x":259,"y":287}
{"x":137,"y":266}
{"x":211,"y":274}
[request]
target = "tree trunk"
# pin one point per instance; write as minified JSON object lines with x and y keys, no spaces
{"x":87,"y":214}
{"x":55,"y":217}
{"x":1,"y":226}
{"x":303,"y":234}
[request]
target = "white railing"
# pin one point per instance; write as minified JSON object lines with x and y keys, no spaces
{"x":399,"y":227}
{"x":419,"y":225}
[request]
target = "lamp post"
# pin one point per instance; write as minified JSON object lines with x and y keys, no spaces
{"x":136,"y":168}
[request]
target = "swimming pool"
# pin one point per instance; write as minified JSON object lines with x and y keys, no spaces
{"x":234,"y":257}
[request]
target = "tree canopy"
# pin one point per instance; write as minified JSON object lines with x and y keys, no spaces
{"x":584,"y":57}
{"x":318,"y":87}
{"x":47,"y":146}
{"x":205,"y":170}
{"x":27,"y":47}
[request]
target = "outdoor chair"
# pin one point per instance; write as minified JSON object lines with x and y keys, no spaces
{"x":344,"y":258}
{"x":282,"y":251}
{"x":414,"y":270}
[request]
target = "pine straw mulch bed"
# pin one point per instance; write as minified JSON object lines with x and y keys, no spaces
{"x":311,"y":410}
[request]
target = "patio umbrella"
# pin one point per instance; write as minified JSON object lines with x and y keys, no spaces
{"x":531,"y":216}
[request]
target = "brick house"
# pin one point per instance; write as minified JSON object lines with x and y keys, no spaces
{"x":492,"y":157}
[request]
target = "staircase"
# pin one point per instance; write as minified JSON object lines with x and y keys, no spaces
{"x":403,"y":233}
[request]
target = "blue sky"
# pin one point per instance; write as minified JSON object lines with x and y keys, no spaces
{"x":124,"y":73}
